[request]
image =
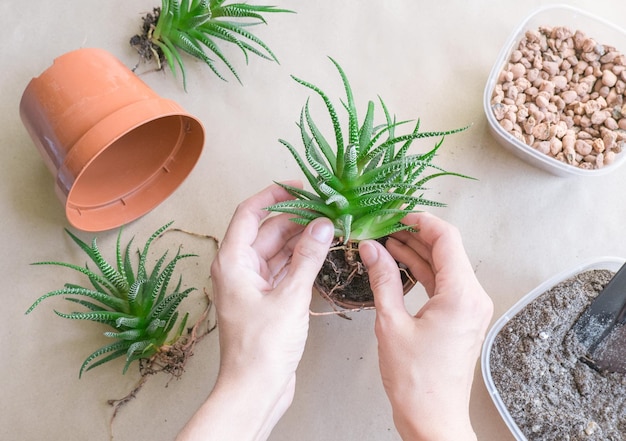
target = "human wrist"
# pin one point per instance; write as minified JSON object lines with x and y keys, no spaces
{"x":449,"y":430}
{"x":241,"y":407}
{"x":427,"y":429}
{"x":258,"y":399}
{"x":432,"y":420}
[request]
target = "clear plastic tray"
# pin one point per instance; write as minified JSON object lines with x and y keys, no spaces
{"x":608,"y":263}
{"x":555,"y":15}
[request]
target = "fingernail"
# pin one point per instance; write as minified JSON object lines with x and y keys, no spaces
{"x":322,"y":231}
{"x":369,"y":253}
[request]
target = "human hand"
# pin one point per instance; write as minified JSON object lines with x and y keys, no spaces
{"x":262,"y":283}
{"x":427,"y":361}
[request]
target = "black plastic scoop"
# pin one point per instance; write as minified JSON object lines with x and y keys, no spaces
{"x":601,"y":329}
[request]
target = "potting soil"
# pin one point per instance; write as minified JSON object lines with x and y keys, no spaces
{"x":537,"y":366}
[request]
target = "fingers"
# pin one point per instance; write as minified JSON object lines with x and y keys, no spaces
{"x":384,"y":278}
{"x":277,"y":265}
{"x":437,"y":241}
{"x":419,"y":266}
{"x":309,"y":253}
{"x":274,"y":234}
{"x":244,"y":225}
{"x":440,"y":247}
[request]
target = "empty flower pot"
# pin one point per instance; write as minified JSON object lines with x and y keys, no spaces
{"x":115,"y":147}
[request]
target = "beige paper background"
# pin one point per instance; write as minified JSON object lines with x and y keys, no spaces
{"x":426,"y":59}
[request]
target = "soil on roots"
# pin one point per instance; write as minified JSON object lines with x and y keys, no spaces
{"x":170,"y":359}
{"x":344,"y":281}
{"x":143,"y":43}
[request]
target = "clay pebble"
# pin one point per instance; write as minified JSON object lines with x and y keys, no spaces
{"x":562,"y":93}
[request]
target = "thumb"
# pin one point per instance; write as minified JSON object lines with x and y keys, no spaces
{"x":310,"y":252}
{"x":384,"y":277}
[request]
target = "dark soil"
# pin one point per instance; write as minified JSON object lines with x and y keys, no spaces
{"x":538,"y":367}
{"x":343,"y":279}
{"x":142,"y":42}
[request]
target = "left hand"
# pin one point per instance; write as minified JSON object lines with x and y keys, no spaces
{"x":262,"y":283}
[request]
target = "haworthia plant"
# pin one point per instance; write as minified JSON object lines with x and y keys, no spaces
{"x":138,"y":305}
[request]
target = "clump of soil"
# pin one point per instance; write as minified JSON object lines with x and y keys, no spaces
{"x":143,"y":44}
{"x":538,"y":367}
{"x":343,"y":279}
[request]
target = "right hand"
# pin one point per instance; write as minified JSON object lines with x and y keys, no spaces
{"x":427,"y":361}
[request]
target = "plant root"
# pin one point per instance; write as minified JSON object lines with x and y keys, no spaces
{"x":170,"y":358}
{"x":214,"y":239}
{"x":340,"y":312}
{"x":343,"y":280}
{"x":404,"y":270}
{"x":143,"y":44}
{"x":337,"y":309}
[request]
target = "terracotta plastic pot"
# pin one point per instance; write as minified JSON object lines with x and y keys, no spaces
{"x":343,"y":280}
{"x":116,"y":148}
{"x":336,"y":298}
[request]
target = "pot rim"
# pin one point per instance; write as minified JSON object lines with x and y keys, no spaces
{"x":115,"y":147}
{"x":101,"y":137}
{"x":407,"y":286}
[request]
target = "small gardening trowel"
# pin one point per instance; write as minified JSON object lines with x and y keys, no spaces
{"x":601,"y":328}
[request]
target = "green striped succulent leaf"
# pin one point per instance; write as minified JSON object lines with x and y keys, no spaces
{"x":138,"y":305}
{"x":199,"y":28}
{"x":362,"y":175}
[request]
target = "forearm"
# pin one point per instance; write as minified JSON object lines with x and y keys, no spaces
{"x":242,"y":409}
{"x":453,"y":429}
{"x":432,"y":411}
